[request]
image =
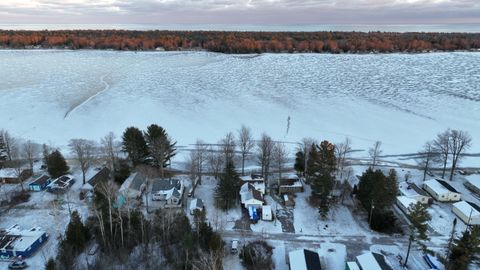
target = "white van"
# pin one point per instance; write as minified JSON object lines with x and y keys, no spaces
{"x":234,"y":246}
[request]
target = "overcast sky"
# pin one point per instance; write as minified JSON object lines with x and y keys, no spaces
{"x":240,"y":11}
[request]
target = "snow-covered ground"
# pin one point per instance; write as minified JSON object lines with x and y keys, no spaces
{"x":401,"y":99}
{"x":48,"y":211}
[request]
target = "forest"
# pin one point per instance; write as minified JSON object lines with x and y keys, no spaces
{"x":241,"y":42}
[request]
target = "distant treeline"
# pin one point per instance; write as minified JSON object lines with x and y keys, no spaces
{"x":242,"y":42}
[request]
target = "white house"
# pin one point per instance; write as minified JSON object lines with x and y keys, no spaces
{"x":133,"y":186}
{"x":169,"y":190}
{"x":468,"y":212}
{"x":372,"y":261}
{"x":412,"y":191}
{"x":267,"y":212}
{"x":252,"y":198}
{"x":404,"y":203}
{"x":441,"y":190}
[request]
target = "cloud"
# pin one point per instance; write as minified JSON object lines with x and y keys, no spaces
{"x":240,"y":11}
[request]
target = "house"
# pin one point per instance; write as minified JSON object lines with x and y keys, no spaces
{"x":169,"y":190}
{"x":372,"y":261}
{"x":441,"y":190}
{"x":404,"y":203}
{"x":252,"y":198}
{"x":411,"y":190}
{"x":61,"y":184}
{"x":473,"y":185}
{"x":304,"y":259}
{"x":11,"y":175}
{"x":257,"y":186}
{"x":134,"y":186}
{"x":40,"y":183}
{"x":267,"y":213}
{"x":101,"y":176}
{"x":196,"y":205}
{"x":468,"y":212}
{"x":253,"y":178}
{"x":289,"y":183}
{"x":15,"y":242}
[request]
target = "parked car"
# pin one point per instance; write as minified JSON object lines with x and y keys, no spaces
{"x":234,"y":248}
{"x":17,"y":265}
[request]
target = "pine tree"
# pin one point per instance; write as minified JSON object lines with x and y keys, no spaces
{"x":374,"y":187}
{"x":159,"y":146}
{"x":419,"y":216}
{"x":299,"y":165}
{"x":57,"y":166}
{"x":76,"y":234}
{"x":226,"y":191}
{"x":466,"y":250}
{"x":134,"y":145}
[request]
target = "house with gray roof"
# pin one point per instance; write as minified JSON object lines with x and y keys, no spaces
{"x":134,"y":186}
{"x":169,"y":190}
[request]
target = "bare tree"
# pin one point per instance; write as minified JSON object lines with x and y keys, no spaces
{"x":459,"y":142}
{"x":18,"y":167}
{"x":215,"y":160}
{"x":441,"y":145}
{"x":211,"y":260}
{"x":265,"y":147}
{"x":375,"y":152}
{"x":199,"y":157}
{"x":84,"y":152}
{"x":111,"y":148}
{"x":10,"y":144}
{"x":30,"y":152}
{"x":228,"y":145}
{"x":426,"y":157}
{"x":343,"y":150}
{"x":304,"y":147}
{"x":246,"y":144}
{"x":279,"y":157}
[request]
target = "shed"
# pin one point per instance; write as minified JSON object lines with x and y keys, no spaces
{"x":304,"y":259}
{"x":468,"y":212}
{"x":267,"y":213}
{"x":473,"y":185}
{"x":441,"y":191}
{"x":196,"y":204}
{"x":11,"y":175}
{"x":404,"y":203}
{"x":372,"y":261}
{"x":40,"y":183}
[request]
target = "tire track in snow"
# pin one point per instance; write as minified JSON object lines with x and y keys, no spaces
{"x":72,"y":110}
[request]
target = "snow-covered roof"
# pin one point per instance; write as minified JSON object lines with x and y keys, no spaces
{"x":251,"y":178}
{"x":267,"y":208}
{"x":292,"y":176}
{"x":474,"y":182}
{"x":467,"y":207}
{"x":406,"y":201}
{"x":372,"y":261}
{"x":8,"y":173}
{"x":353,"y":266}
{"x":20,"y":240}
{"x":304,"y":259}
{"x":134,"y":181}
{"x":196,"y":204}
{"x":438,"y":186}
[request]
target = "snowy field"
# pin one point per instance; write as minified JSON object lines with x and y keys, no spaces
{"x":400,"y":99}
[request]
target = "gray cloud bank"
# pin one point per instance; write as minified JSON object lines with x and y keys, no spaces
{"x":240,"y":11}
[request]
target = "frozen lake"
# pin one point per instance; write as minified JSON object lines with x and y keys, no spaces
{"x":400,"y":99}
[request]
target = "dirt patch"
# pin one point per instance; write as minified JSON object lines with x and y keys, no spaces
{"x":285,"y":216}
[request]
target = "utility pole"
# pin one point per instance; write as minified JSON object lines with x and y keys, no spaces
{"x":371,"y":214}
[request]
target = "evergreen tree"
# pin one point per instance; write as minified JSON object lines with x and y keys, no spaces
{"x":374,"y":187}
{"x":160,"y":146}
{"x":76,"y":234}
{"x":419,"y":216}
{"x":466,"y":250}
{"x":134,"y":145}
{"x":3,"y":150}
{"x":56,"y":164}
{"x":226,"y":191}
{"x":299,"y":165}
{"x":321,"y":165}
